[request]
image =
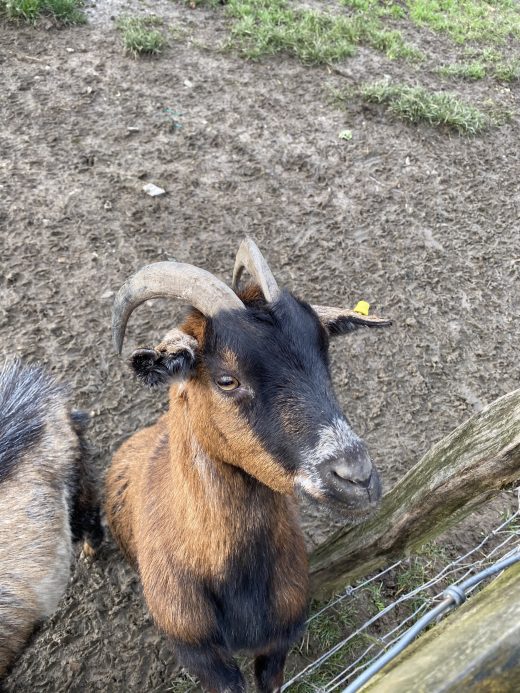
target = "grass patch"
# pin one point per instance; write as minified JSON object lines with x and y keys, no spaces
{"x":487,"y":55}
{"x":418,"y":105}
{"x":267,"y":27}
{"x":469,"y":20}
{"x":329,"y":627}
{"x":471,"y":71}
{"x":318,"y":679}
{"x":63,"y":11}
{"x":376,"y":595}
{"x":482,"y":21}
{"x":503,"y":71}
{"x":140,"y":35}
{"x":507,"y":71}
{"x":381,"y":9}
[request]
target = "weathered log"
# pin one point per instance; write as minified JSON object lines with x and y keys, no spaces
{"x":455,"y":477}
{"x":477,"y":648}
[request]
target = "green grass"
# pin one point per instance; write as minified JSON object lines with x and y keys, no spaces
{"x":267,"y":27}
{"x":376,"y":595}
{"x":507,"y":71}
{"x":323,"y":675}
{"x":484,"y":21}
{"x":503,"y":71}
{"x":418,"y":105}
{"x":471,"y":71}
{"x":329,"y":627}
{"x":140,"y":35}
{"x":62,"y":11}
{"x":411,"y":577}
{"x":381,"y":9}
{"x":469,"y":20}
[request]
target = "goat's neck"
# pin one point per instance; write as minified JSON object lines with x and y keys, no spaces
{"x":227,"y":438}
{"x":215,"y":480}
{"x":218,"y":511}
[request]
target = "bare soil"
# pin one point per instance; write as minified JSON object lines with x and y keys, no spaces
{"x":421,"y":223}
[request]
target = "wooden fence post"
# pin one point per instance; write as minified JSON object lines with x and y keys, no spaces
{"x":461,"y":472}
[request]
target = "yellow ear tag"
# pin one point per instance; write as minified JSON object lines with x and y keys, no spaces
{"x":362,"y":308}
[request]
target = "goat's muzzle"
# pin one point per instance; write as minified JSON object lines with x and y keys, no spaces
{"x":351,"y":479}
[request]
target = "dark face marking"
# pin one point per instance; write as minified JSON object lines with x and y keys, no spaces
{"x":278,"y":354}
{"x":279,"y":357}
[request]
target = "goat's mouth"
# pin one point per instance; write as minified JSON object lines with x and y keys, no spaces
{"x":350,"y":502}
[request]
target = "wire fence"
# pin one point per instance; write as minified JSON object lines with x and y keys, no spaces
{"x":337,"y":667}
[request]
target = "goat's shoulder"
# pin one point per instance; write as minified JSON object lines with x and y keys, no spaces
{"x":126,"y":483}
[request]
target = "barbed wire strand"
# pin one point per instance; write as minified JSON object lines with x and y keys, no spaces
{"x":460,"y":563}
{"x":453,"y":598}
{"x":309,"y":669}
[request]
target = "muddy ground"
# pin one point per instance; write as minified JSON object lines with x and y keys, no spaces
{"x":421,"y":223}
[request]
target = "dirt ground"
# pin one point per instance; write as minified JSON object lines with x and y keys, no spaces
{"x":423,"y":224}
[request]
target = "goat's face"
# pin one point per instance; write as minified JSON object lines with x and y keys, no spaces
{"x":255,"y":377}
{"x":258,"y":387}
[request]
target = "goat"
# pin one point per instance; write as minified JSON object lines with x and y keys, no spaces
{"x":47,"y":500}
{"x":202,"y":502}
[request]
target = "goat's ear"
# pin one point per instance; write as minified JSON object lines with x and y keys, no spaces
{"x":342,"y":320}
{"x":173,"y":358}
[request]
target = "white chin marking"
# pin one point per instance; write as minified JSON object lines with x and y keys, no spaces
{"x":311,"y":484}
{"x":333,"y":440}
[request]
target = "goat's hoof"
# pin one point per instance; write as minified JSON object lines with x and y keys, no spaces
{"x":88,"y":551}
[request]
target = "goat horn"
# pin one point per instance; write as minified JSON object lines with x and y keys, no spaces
{"x":190,"y":284}
{"x":251,"y":259}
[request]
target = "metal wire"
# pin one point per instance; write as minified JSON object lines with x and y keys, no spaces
{"x":458,"y":571}
{"x":455,"y":595}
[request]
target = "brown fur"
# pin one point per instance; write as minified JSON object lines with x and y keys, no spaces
{"x":178,"y":503}
{"x":158,"y":508}
{"x":227,"y":438}
{"x":201,"y":507}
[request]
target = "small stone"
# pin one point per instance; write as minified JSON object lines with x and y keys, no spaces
{"x":188,"y":84}
{"x":107,"y":294}
{"x":153,"y":190}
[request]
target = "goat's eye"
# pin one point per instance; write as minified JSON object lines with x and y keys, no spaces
{"x":227,"y":383}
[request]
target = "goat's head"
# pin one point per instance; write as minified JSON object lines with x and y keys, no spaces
{"x":252,"y":367}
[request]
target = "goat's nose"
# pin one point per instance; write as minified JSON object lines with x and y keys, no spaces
{"x":354,"y":467}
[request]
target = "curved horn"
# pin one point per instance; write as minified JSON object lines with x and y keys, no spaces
{"x":251,"y":259}
{"x":170,"y":279}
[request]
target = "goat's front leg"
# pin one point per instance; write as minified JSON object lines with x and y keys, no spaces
{"x":269,"y":671}
{"x":214,"y":666}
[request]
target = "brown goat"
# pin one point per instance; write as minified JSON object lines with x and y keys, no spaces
{"x":47,"y":500}
{"x":202,"y":502}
